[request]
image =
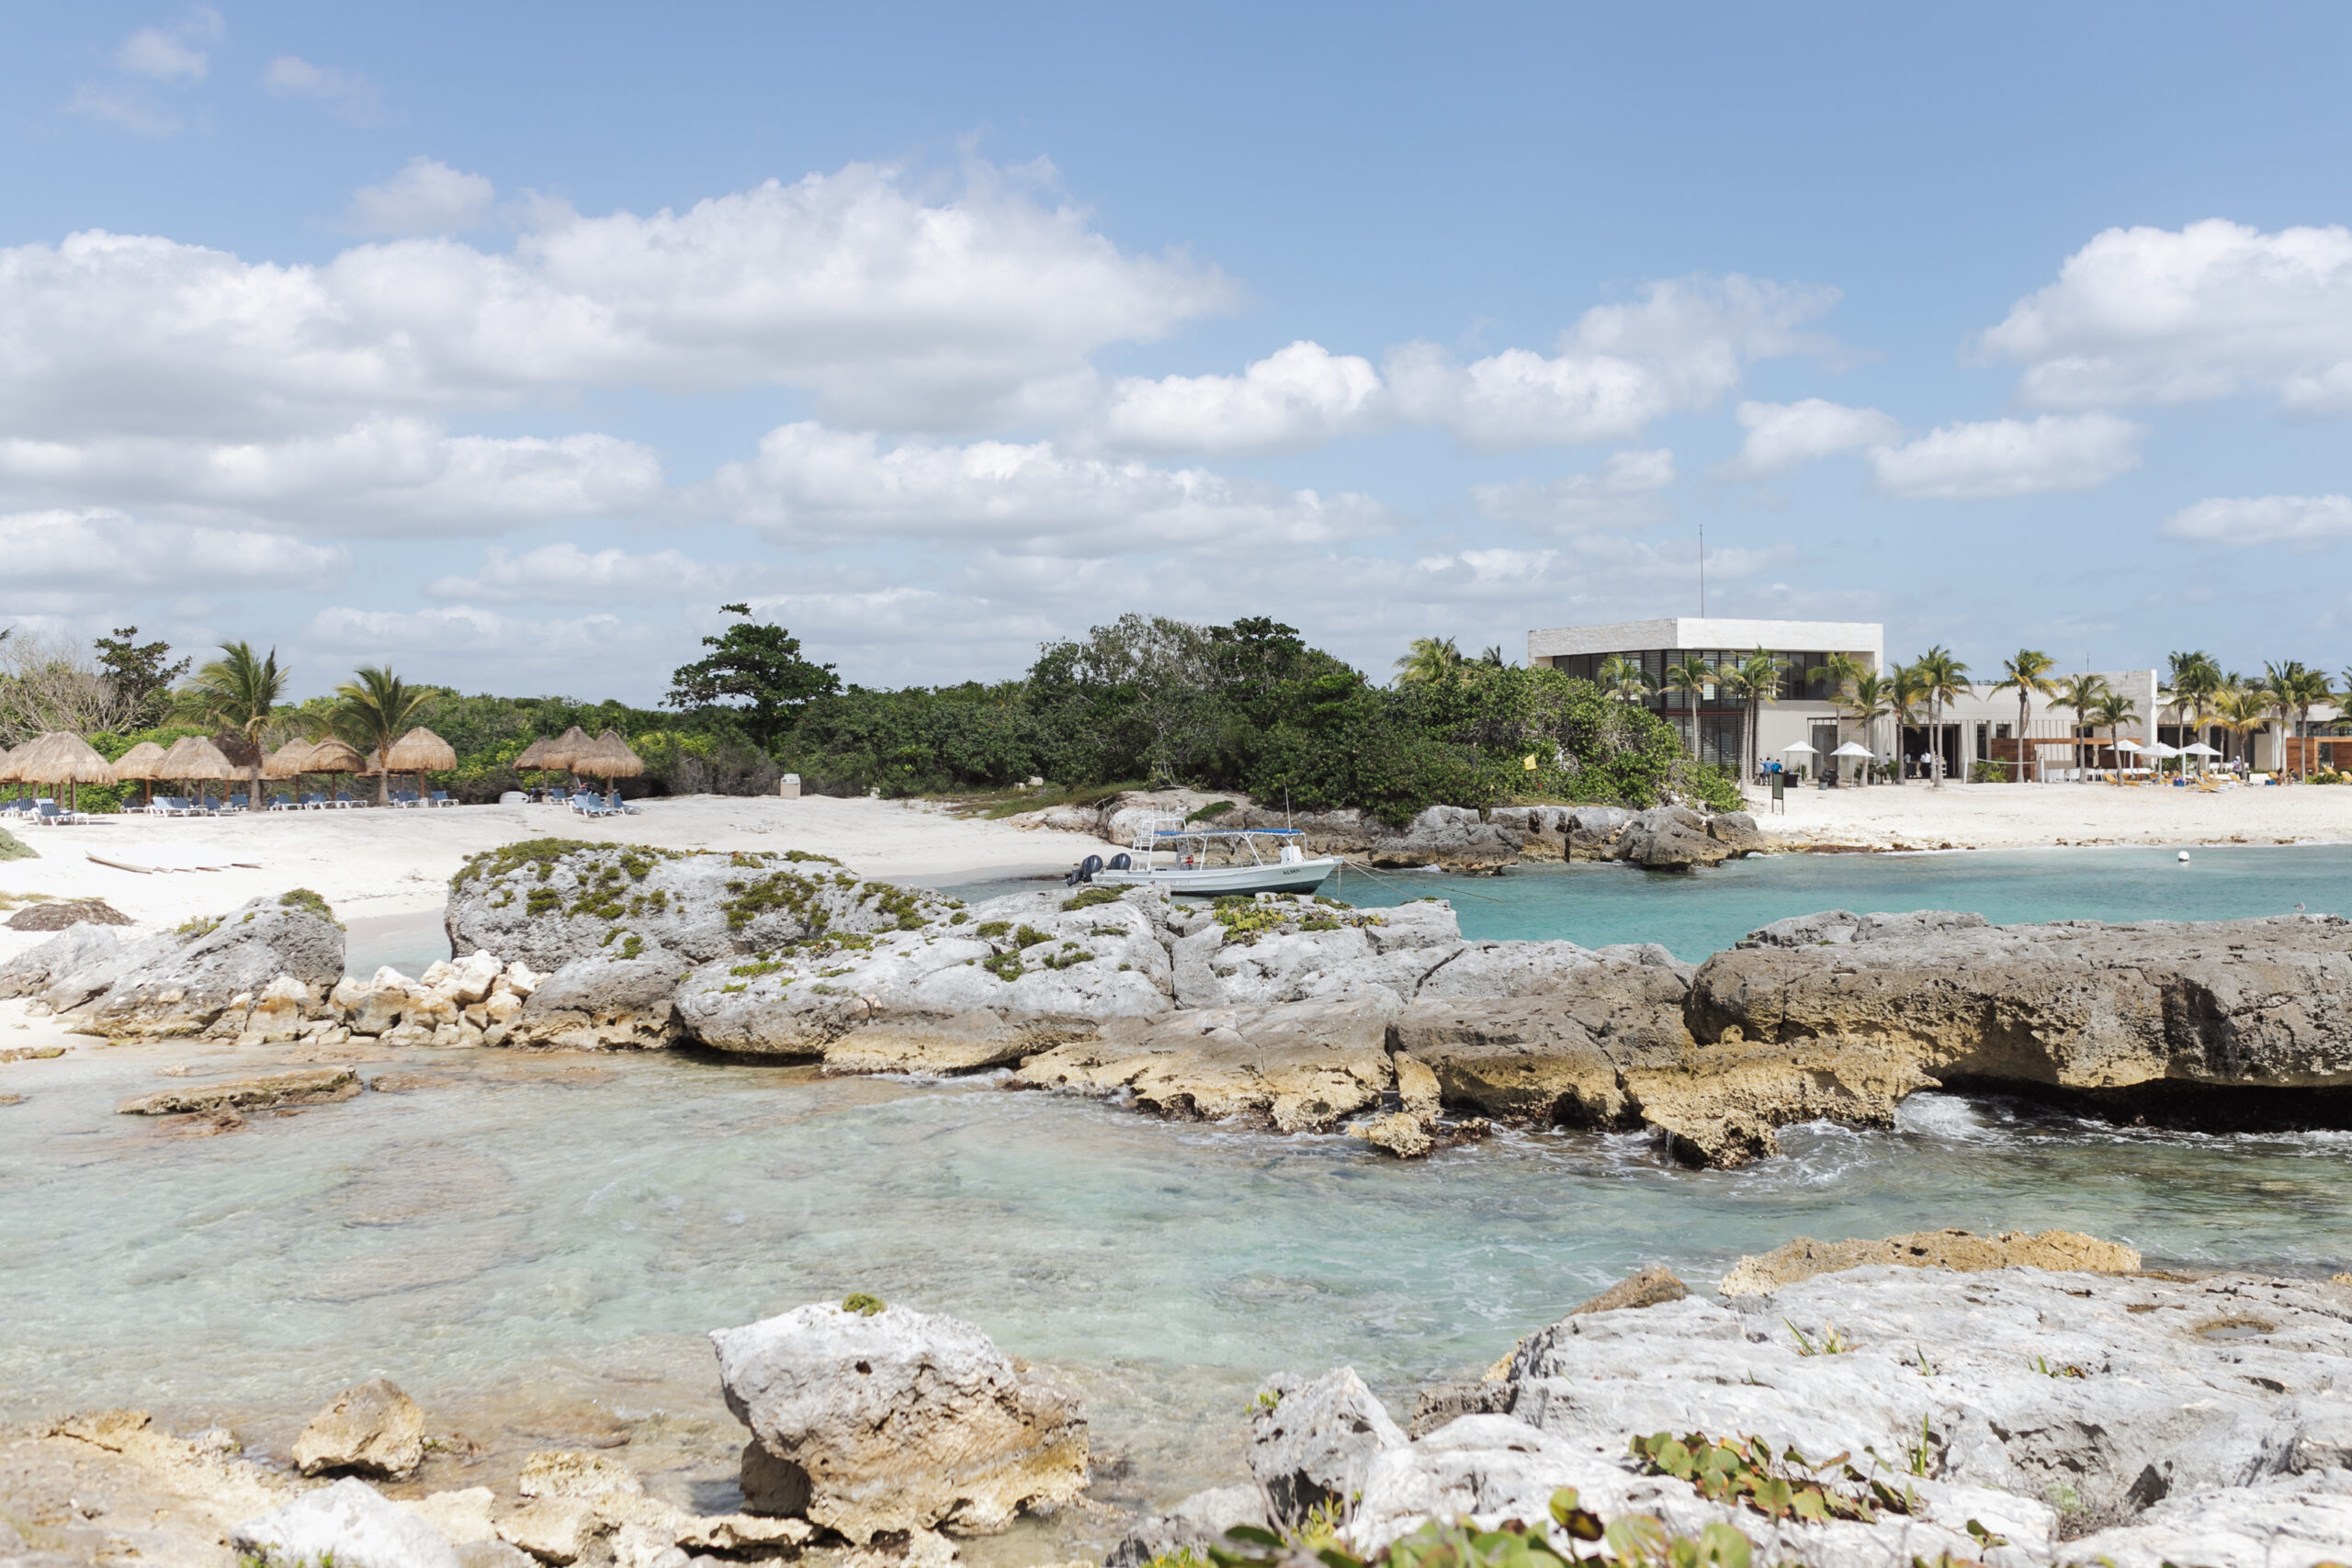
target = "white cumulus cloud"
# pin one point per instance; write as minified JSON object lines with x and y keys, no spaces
{"x":1626,"y":494}
{"x":346,"y":94}
{"x":911,"y":311}
{"x":428,"y":197}
{"x":1994,"y":458}
{"x":2305,"y":522}
{"x":2211,"y":309}
{"x":378,"y":477}
{"x":814,"y":485}
{"x":565,"y":571}
{"x":1299,"y":396}
{"x":1682,"y":347}
{"x":168,"y":54}
{"x":1781,"y":437}
{"x":102,"y":550}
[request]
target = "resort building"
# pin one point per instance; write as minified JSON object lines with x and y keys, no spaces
{"x":1980,"y":727}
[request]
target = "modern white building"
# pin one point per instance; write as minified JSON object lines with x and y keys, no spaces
{"x":1974,"y":727}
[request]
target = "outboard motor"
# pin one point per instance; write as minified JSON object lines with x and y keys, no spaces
{"x":1119,"y":863}
{"x":1085,"y":871}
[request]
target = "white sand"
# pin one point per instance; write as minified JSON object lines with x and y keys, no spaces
{"x":1916,"y":816}
{"x":368,"y":864}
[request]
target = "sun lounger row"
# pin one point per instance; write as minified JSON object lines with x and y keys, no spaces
{"x":42,"y":813}
{"x":588,"y":804}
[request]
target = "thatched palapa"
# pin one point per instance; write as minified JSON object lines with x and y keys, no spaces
{"x":421,"y":751}
{"x":565,"y":750}
{"x":194,"y":757}
{"x":609,"y":757}
{"x":332,"y":756}
{"x":61,"y":757}
{"x":291,"y":761}
{"x":535,"y":755}
{"x":143,"y":763}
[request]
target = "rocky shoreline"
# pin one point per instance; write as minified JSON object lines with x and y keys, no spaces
{"x":1299,"y":1014}
{"x":2015,"y":1400}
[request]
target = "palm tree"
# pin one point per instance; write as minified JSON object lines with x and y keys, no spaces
{"x":1429,"y":661}
{"x":373,"y":709}
{"x":2310,"y":689}
{"x":2114,"y":710}
{"x":2239,"y":708}
{"x":2026,"y":672}
{"x":1693,"y":676}
{"x":1754,"y":681}
{"x":1944,"y":679}
{"x":2284,"y":689}
{"x":1493,"y":658}
{"x":1622,"y":677}
{"x":2192,"y":682}
{"x":1869,"y":698}
{"x":2081,"y":693}
{"x":1907,"y":691}
{"x":236,"y":691}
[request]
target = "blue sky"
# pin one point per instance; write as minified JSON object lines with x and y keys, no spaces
{"x":508,"y":347}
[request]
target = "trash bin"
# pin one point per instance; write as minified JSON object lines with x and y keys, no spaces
{"x":788,"y":786}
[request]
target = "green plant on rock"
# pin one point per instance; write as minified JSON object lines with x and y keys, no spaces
{"x":862,"y":1304}
{"x":987,"y":930}
{"x":1571,"y":1536}
{"x":1029,"y":936}
{"x":197,"y":925}
{"x":1736,"y":1470}
{"x":2050,"y":1369}
{"x":1246,"y":919}
{"x":1831,"y":1342}
{"x":1087,"y":897}
{"x":310,"y":903}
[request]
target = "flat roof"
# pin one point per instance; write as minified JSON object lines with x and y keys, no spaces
{"x":1682,"y":632}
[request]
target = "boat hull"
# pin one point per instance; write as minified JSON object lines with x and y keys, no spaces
{"x":1299,"y":876}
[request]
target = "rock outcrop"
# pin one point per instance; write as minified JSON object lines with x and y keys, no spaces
{"x":304,"y":1086}
{"x":1957,"y":1250}
{"x":1453,"y":837}
{"x":371,"y":1429}
{"x":903,"y":1421}
{"x":2017,"y":1416}
{"x":205,"y":977}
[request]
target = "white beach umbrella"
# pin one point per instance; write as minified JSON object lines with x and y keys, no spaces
{"x":1801,"y":746}
{"x":1851,"y":749}
{"x":2198,"y":750}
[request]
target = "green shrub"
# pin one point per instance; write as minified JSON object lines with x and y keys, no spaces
{"x":860,"y":1304}
{"x":310,"y":903}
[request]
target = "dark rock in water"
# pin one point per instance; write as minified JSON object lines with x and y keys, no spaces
{"x":56,"y":914}
{"x":305,"y":1086}
{"x":1652,"y":1287}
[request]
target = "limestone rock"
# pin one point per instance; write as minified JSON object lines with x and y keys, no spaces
{"x":1193,"y":1525}
{"x":2121,"y":1013}
{"x":57,"y":914}
{"x":554,"y":1530}
{"x":1736,"y":831}
{"x":745,"y":1534}
{"x":461,"y":1518}
{"x":1312,"y":1443}
{"x":1592,"y":831}
{"x":190,"y":988}
{"x":1442,"y":1403}
{"x":1301,"y":1067}
{"x":602,"y":1002}
{"x":1417,"y":1093}
{"x":1653,"y":1286}
{"x":903,"y":1420}
{"x":1954,"y":1249}
{"x":2298,"y":1519}
{"x":550,"y":902}
{"x":1023,"y":958}
{"x":1406,"y":1137}
{"x":1448,"y":836}
{"x":2097,"y":1394}
{"x":1670,"y":838}
{"x":372,"y":1428}
{"x":304,"y":1086}
{"x":349,"y":1520}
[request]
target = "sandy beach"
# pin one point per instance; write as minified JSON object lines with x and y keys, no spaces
{"x":1991,"y":816}
{"x":370,"y":863}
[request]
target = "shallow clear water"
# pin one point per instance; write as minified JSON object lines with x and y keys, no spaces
{"x":567,"y":1231}
{"x":1703,"y":912}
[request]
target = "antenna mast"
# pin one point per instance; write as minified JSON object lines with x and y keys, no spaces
{"x":1703,"y":572}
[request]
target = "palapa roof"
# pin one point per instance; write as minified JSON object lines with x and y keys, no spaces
{"x":334,"y":756}
{"x":139,"y":762}
{"x":535,"y":755}
{"x":60,"y":757}
{"x":289,"y":760}
{"x":609,"y":757}
{"x":421,"y":750}
{"x":7,"y":765}
{"x":566,"y":749}
{"x":194,"y":757}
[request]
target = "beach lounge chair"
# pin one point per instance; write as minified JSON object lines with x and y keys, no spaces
{"x":441,"y":798}
{"x":342,"y":802}
{"x":51,"y":814}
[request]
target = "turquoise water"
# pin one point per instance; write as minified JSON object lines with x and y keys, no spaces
{"x":1703,"y":912}
{"x":549,"y":1227}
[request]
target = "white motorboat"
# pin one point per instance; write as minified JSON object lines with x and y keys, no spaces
{"x":1184,"y":858}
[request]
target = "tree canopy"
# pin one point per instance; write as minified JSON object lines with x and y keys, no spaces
{"x":756,"y":669}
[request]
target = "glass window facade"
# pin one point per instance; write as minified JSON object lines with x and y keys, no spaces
{"x":1800,"y":677}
